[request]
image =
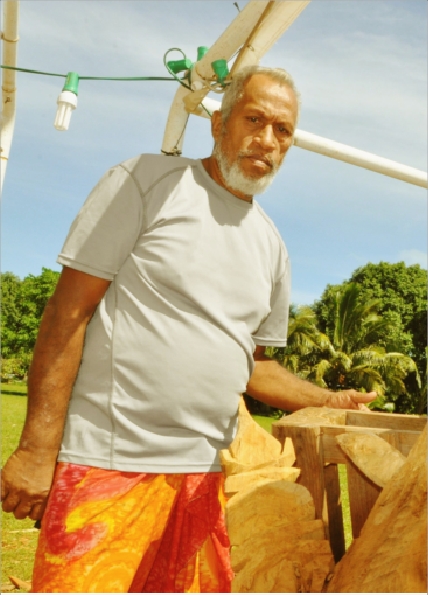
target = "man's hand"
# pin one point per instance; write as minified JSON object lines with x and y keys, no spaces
{"x":25,"y":483}
{"x":350,"y":399}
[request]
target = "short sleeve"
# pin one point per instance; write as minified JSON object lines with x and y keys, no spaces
{"x":273,"y":330}
{"x":105,"y":231}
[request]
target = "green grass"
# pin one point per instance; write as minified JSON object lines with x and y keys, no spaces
{"x":18,"y":538}
{"x":346,"y":511}
{"x":17,"y":388}
{"x":264,"y":422}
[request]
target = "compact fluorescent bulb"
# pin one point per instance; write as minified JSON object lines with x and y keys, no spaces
{"x":67,"y":101}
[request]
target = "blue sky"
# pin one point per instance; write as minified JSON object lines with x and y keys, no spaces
{"x":361,"y":69}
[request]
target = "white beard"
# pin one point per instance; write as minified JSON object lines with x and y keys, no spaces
{"x":235,"y":179}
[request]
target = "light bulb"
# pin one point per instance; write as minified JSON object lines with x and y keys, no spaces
{"x":67,"y":102}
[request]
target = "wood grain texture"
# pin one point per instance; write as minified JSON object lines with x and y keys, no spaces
{"x":393,"y":421}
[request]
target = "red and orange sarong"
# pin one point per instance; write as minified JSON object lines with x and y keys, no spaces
{"x":118,"y":532}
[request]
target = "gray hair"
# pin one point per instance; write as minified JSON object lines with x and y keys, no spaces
{"x":235,"y":90}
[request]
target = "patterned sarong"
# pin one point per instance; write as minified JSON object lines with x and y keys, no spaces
{"x":118,"y":532}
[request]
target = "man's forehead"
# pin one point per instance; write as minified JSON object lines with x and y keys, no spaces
{"x":257,"y":95}
{"x":261,"y":86}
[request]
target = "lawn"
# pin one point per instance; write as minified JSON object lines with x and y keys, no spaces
{"x":19,"y":537}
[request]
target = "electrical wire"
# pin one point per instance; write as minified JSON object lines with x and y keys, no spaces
{"x":94,"y":78}
{"x":173,"y":77}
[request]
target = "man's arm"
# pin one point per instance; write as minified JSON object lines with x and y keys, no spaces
{"x":277,"y":387}
{"x":27,"y":475}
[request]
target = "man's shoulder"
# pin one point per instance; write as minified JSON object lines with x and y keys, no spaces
{"x":149,"y":168}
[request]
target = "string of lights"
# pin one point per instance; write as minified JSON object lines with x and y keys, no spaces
{"x":67,"y":100}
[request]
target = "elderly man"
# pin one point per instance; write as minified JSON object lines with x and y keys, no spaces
{"x":174,"y":281}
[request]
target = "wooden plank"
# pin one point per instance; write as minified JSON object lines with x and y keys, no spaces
{"x":393,"y":421}
{"x":334,"y":511}
{"x":362,"y":497}
{"x":309,"y":458}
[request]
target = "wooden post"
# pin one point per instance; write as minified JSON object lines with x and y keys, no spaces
{"x":362,"y":496}
{"x":309,"y":458}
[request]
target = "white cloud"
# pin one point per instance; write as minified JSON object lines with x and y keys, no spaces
{"x":414,"y":257}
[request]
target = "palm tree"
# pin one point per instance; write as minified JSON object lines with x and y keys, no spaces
{"x":305,"y":343}
{"x":356,"y":324}
{"x":353,"y":357}
{"x":356,"y":361}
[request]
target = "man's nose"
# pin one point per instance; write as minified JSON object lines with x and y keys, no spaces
{"x":267,"y":137}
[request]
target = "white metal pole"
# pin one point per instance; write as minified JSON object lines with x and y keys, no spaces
{"x":388,"y":167}
{"x":176,"y":124}
{"x":10,"y":39}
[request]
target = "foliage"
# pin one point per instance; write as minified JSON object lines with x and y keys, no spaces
{"x":379,"y":314}
{"x":306,"y":345}
{"x":401,"y":297}
{"x":15,"y":367}
{"x":23,"y":302}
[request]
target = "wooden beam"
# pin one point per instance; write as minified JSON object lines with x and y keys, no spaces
{"x":362,"y":496}
{"x":393,"y":421}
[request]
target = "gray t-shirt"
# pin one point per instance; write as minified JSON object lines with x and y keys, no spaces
{"x":199,"y":277}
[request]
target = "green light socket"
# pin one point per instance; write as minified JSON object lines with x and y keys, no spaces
{"x":221,"y":70}
{"x":71,"y":82}
{"x":202,"y":50}
{"x":179,"y":65}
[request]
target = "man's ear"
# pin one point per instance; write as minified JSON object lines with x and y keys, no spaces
{"x":216,"y":125}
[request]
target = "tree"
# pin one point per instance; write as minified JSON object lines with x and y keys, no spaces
{"x":361,"y":339}
{"x":305,"y":343}
{"x":401,"y":296}
{"x":23,"y":303}
{"x":401,"y":289}
{"x":10,"y":285}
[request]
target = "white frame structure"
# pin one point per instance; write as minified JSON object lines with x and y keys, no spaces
{"x":255,"y":29}
{"x":10,"y":40}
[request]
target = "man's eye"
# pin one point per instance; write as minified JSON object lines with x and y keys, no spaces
{"x":253,"y":119}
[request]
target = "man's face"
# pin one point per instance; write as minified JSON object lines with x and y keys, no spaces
{"x":252,"y":144}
